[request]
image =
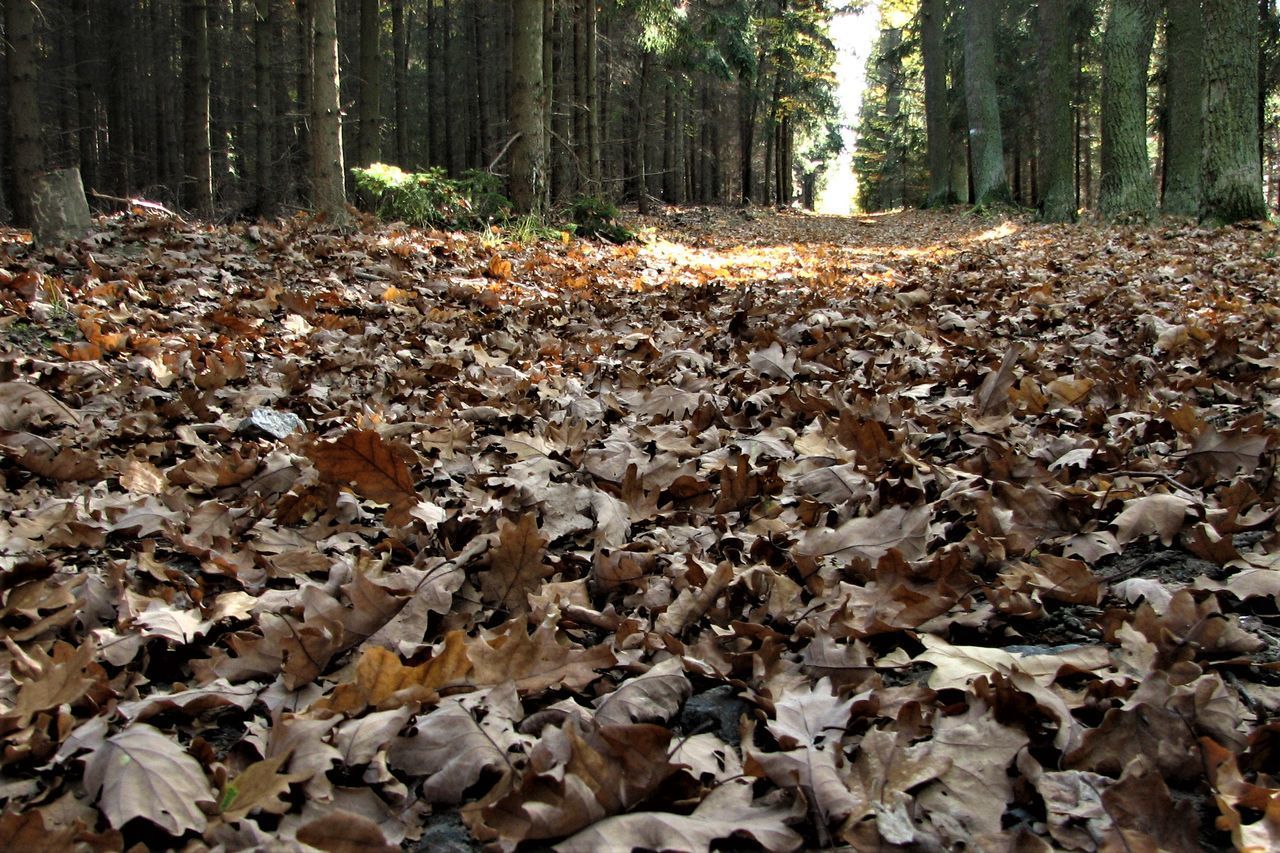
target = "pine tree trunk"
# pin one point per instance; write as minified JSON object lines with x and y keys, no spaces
{"x":328,"y":169}
{"x":197,"y":163}
{"x":1055,"y":180}
{"x":265,"y":108}
{"x":528,"y":102}
{"x":591,"y":51}
{"x":1232,"y":164}
{"x":370,"y":144}
{"x":86,"y":103}
{"x":24,"y":106}
{"x":400,"y":80}
{"x":219,"y":113}
{"x":550,"y":93}
{"x":936,"y":103}
{"x":746,"y":136}
{"x":1184,"y":142}
{"x":990,"y":185}
{"x":1126,"y":187}
{"x":642,"y":141}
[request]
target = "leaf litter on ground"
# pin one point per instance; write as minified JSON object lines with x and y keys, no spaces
{"x":916,"y":529}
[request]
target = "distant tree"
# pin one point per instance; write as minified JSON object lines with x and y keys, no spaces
{"x":986,"y":141}
{"x":1127,"y":188}
{"x":1232,"y":165}
{"x":328,"y":172}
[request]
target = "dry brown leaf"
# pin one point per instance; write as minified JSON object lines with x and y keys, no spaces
{"x":516,"y":566}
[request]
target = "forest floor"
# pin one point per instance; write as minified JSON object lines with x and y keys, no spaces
{"x":913,"y":530}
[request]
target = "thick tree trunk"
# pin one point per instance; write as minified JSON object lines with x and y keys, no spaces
{"x":328,"y":168}
{"x":1232,"y":164}
{"x":528,"y":102}
{"x":990,"y":185}
{"x":591,"y":51}
{"x":197,"y":154}
{"x":746,"y":136}
{"x":219,"y":112}
{"x":1055,"y":180}
{"x":370,"y":144}
{"x":24,"y":105}
{"x":1184,"y":143}
{"x":936,"y":103}
{"x":1126,"y":188}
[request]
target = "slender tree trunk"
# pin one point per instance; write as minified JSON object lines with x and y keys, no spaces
{"x":990,"y":185}
{"x":219,"y":111}
{"x":936,"y":102}
{"x":24,"y":105}
{"x":198,"y":162}
{"x":551,"y":92}
{"x":370,"y":144}
{"x":1054,"y":78}
{"x":86,"y":103}
{"x":642,"y":141}
{"x":528,"y":103}
{"x":328,"y":169}
{"x":1232,"y":165}
{"x":265,"y":108}
{"x":591,"y":49}
{"x":1185,"y":142}
{"x":1127,"y":188}
{"x":746,"y":135}
{"x":400,"y":80}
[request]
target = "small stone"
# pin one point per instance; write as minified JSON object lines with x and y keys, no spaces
{"x":273,"y":423}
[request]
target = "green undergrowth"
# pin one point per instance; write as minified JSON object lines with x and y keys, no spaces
{"x":475,"y":201}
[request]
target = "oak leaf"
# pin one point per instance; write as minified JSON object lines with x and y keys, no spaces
{"x":260,"y":786}
{"x":535,"y":662}
{"x":372,"y":467}
{"x":516,"y":566}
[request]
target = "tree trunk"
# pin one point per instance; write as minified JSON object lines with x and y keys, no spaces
{"x":370,"y":144}
{"x":746,"y":135}
{"x":936,"y":103}
{"x":1055,"y":180}
{"x":197,"y":163}
{"x":1232,"y":164}
{"x":551,"y":92}
{"x":592,"y":103}
{"x":1184,"y":142}
{"x":528,"y":102}
{"x":328,"y":170}
{"x":219,"y":112}
{"x":990,"y":184}
{"x":400,"y":80}
{"x":265,"y":108}
{"x":86,"y":103}
{"x":24,"y":106}
{"x":1126,"y":188}
{"x":642,"y":160}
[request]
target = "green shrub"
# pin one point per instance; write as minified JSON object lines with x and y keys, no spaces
{"x":432,"y":197}
{"x":594,"y":216}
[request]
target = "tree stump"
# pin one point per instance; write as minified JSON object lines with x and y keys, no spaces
{"x":59,"y":210}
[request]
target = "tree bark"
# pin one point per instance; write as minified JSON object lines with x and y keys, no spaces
{"x":400,"y":80}
{"x":1232,"y":164}
{"x":990,"y":184}
{"x":370,"y":140}
{"x":328,"y":169}
{"x":265,"y":109}
{"x":590,"y":51}
{"x":528,"y":103}
{"x":936,"y":103}
{"x":86,"y":103}
{"x":1184,"y":142}
{"x":197,"y":154}
{"x":1126,"y":188}
{"x":1054,"y":162}
{"x":24,"y":106}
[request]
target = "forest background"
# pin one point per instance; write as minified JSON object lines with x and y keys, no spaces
{"x":257,"y":106}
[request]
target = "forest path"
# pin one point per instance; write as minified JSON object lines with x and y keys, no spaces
{"x":777,"y":491}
